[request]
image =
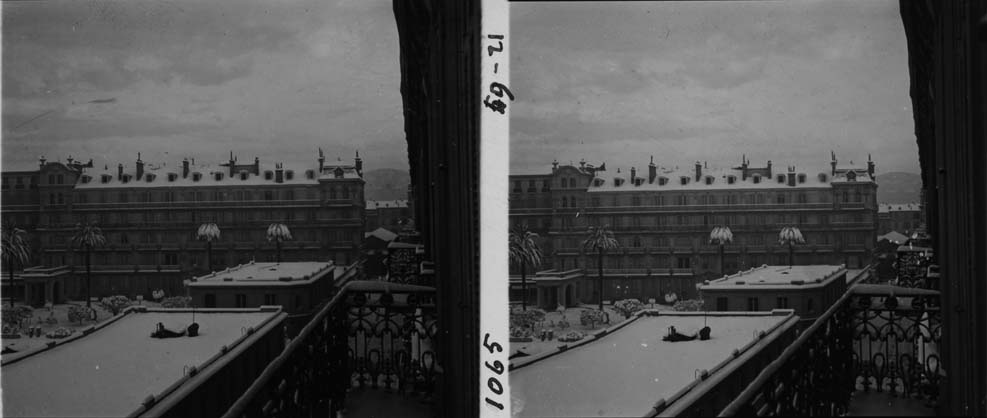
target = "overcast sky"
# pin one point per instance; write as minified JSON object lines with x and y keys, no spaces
{"x":786,"y":81}
{"x":106,"y":79}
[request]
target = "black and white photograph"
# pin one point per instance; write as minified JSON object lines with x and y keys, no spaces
{"x":716,"y":207}
{"x":208,"y":211}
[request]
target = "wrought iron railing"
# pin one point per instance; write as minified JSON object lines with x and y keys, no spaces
{"x":877,"y":338}
{"x":374,"y":335}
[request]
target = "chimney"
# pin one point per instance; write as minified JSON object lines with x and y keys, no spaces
{"x":870,"y":166}
{"x":699,"y":171}
{"x":42,"y":159}
{"x":279,"y":173}
{"x":232,"y":164}
{"x":185,"y":168}
{"x":322,"y":160}
{"x":140,"y":167}
{"x":119,"y":171}
{"x":769,"y":169}
{"x":652,"y":170}
{"x":791,"y":176}
{"x":359,"y":164}
{"x":633,"y":174}
{"x":832,"y":163}
{"x":256,"y":166}
{"x":743,"y":167}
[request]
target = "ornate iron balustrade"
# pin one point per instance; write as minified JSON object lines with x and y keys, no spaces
{"x":874,"y":338}
{"x":374,"y":335}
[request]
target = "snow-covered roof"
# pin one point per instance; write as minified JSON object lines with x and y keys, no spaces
{"x":375,"y":204}
{"x":898,"y":207}
{"x":777,"y":277}
{"x":204,"y":175}
{"x":266,"y":274}
{"x":684,"y":178}
{"x":894,"y":236}
{"x":381,"y":234}
{"x":626,"y":371}
{"x":110,"y":372}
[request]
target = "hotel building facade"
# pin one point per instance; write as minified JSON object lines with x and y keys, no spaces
{"x":149,"y":215}
{"x":662,"y":217}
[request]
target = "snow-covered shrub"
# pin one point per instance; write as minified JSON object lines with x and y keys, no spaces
{"x":176,"y":302}
{"x":572,"y":336}
{"x":115,"y":304}
{"x":628,"y":307}
{"x":14,"y":316}
{"x":690,"y":305}
{"x":518,"y":332}
{"x":79,"y":313}
{"x":157,"y":295}
{"x":59,"y":333}
{"x":526,"y":318}
{"x":591,"y":317}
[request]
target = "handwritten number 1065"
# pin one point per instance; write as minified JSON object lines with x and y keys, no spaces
{"x":498,"y":368}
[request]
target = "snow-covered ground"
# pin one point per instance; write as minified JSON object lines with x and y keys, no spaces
{"x":552,"y":320}
{"x":110,"y":372}
{"x":625,"y":373}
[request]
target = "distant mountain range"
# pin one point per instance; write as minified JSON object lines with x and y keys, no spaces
{"x":386,"y":184}
{"x":899,"y":187}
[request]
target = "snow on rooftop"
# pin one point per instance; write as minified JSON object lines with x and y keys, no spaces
{"x":898,"y":207}
{"x":111,"y":371}
{"x":267,"y":273}
{"x":626,"y":372}
{"x":778,"y":276}
{"x":212,"y":174}
{"x":377,"y":204}
{"x":684,"y":178}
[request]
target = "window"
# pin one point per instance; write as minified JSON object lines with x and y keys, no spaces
{"x":270,"y":299}
{"x":171,"y":259}
{"x":780,"y":198}
{"x":241,"y":300}
{"x":310,"y":174}
{"x":268,"y":175}
{"x":289,"y":175}
{"x":822,"y":177}
{"x":782,"y":303}
{"x":196,"y":176}
{"x":801,"y":178}
{"x":210,"y":300}
{"x":756,"y":178}
{"x":662,"y":181}
{"x":243,"y":175}
{"x":781,"y":178}
{"x":808,"y":306}
{"x":709,"y":179}
{"x":545,"y":186}
{"x":636,"y":201}
{"x":268,"y":195}
{"x":731,"y":179}
{"x":684,"y":180}
{"x":752,"y":305}
{"x":61,"y":179}
{"x":682,"y":262}
{"x":721,"y":304}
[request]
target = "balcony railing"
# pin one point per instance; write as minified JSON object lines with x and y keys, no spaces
{"x":376,"y":335}
{"x":876,"y":338}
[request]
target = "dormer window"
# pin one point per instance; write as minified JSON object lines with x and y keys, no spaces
{"x":310,"y":174}
{"x":338,"y":173}
{"x":196,"y":176}
{"x":268,"y":175}
{"x":125,"y":178}
{"x":217,"y":176}
{"x":709,"y":180}
{"x":244,"y":175}
{"x":172,"y":177}
{"x":598,"y":182}
{"x":757,"y":179}
{"x":683,"y":180}
{"x":823,"y":177}
{"x":618,"y":182}
{"x":149,"y":177}
{"x":781,"y":178}
{"x":105,"y":178}
{"x":731,"y":179}
{"x":851,"y":176}
{"x":289,"y":175}
{"x":638,"y":181}
{"x":801,"y":177}
{"x":85,"y":179}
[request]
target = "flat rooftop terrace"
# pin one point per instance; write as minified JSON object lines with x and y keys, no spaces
{"x":267,"y":273}
{"x":112,"y":370}
{"x":779,"y":276}
{"x":627,"y":371}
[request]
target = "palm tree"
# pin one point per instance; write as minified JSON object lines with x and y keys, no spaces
{"x":790,"y":236}
{"x":16,"y":250}
{"x":600,"y":239}
{"x":87,"y":237}
{"x":523,"y":251}
{"x":721,"y":235}
{"x":278,"y":233}
{"x":208,"y":232}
